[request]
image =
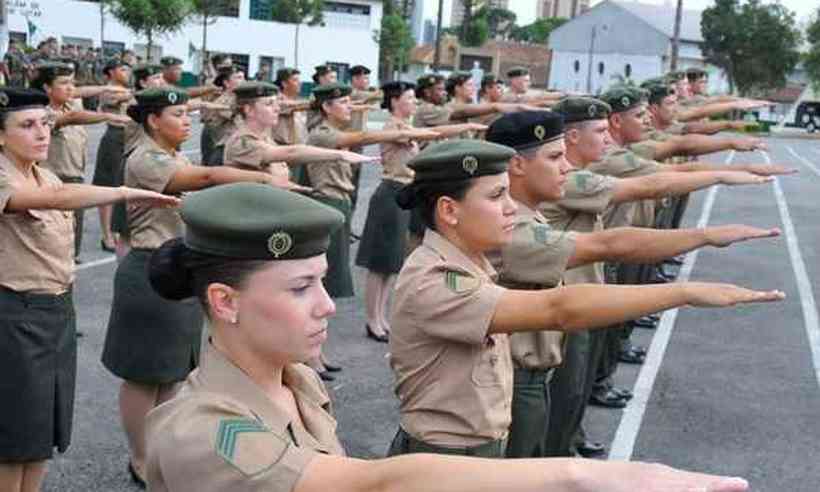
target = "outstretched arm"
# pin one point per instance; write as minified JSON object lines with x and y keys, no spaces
{"x":79,"y":196}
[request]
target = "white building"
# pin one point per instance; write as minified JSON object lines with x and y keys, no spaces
{"x":617,"y":39}
{"x":344,"y":41}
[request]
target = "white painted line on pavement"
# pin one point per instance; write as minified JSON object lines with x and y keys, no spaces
{"x":804,"y":287}
{"x":624,"y":443}
{"x":96,"y":263}
{"x":801,"y":159}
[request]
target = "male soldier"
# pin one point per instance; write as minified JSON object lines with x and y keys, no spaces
{"x":17,"y":65}
{"x":587,"y":197}
{"x":172,"y":75}
{"x":292,"y":126}
{"x":538,"y":256}
{"x":520,"y":81}
{"x":361,"y":97}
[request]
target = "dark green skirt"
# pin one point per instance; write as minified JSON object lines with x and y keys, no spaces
{"x":150,"y":340}
{"x":38,"y":360}
{"x":338,"y":281}
{"x":384,"y":240}
{"x":108,"y":169}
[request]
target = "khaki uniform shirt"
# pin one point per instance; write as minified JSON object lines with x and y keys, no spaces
{"x":586,"y":197}
{"x":536,"y":258}
{"x":223,"y":433}
{"x":358,"y":120}
{"x":222,"y":122}
{"x":150,"y":167}
{"x":453,"y":379}
{"x":291,"y":128}
{"x":334,"y":178}
{"x":429,"y":114}
{"x":395,"y":156}
{"x":246,"y":149}
{"x":692,"y":101}
{"x":36,"y":246}
{"x":66,"y":152}
{"x":624,"y":163}
{"x":110,"y":104}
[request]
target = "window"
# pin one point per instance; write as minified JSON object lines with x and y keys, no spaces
{"x":600,"y":68}
{"x":576,"y":66}
{"x":342,"y":70}
{"x":274,"y":62}
{"x":226,"y":8}
{"x":347,"y":8}
{"x":18,"y":37}
{"x":262,"y":9}
{"x":81,"y":42}
{"x":628,"y":70}
{"x":111,"y":48}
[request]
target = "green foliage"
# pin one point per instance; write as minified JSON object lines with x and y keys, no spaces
{"x":208,"y":10}
{"x":755,"y":44}
{"x":500,"y":22}
{"x":152,"y":17}
{"x":537,"y":32}
{"x":395,"y":42}
{"x":812,"y":58}
{"x":478,"y":32}
{"x":308,"y":12}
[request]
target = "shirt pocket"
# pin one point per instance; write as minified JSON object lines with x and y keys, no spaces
{"x":488,"y":366}
{"x":54,"y":228}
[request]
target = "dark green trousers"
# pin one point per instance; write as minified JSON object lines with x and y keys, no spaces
{"x":404,"y":443}
{"x":79,"y":214}
{"x":567,"y":395}
{"x":530,"y":414}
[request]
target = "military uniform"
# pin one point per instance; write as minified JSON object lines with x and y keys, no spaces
{"x":220,"y":124}
{"x":38,"y":347}
{"x":111,"y":151}
{"x":151,"y":340}
{"x":246,"y":149}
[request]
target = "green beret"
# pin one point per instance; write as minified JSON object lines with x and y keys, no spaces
{"x":169,"y":61}
{"x":675,"y":76}
{"x":145,"y":71}
{"x":576,"y":108}
{"x":328,"y":92}
{"x":284,"y":74}
{"x":518,"y":72}
{"x":322,"y":70}
{"x":524,"y":130}
{"x":623,"y":98}
{"x":694,"y":73}
{"x":18,"y":99}
{"x":257,"y":222}
{"x":160,"y":97}
{"x":654,"y":81}
{"x":459,"y":159}
{"x":114,"y":63}
{"x":359,"y":70}
{"x":658,"y":92}
{"x":254,"y":90}
{"x":429,"y":80}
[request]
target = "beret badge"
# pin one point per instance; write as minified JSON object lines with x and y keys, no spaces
{"x":337,"y":93}
{"x":592,"y":111}
{"x":4,"y":99}
{"x":625,"y":101}
{"x":172,"y":97}
{"x":280,"y":243}
{"x":539,"y":132}
{"x":470,"y":164}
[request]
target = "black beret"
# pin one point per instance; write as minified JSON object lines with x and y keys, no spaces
{"x":577,"y":108}
{"x":320,"y":70}
{"x":253,"y":90}
{"x":694,"y":73}
{"x":170,"y":61}
{"x":359,"y":70}
{"x":51,"y":69}
{"x":459,"y":159}
{"x":328,"y":92}
{"x":658,"y":92}
{"x":144,"y":71}
{"x":518,"y":72}
{"x":623,"y":98}
{"x":257,"y":222}
{"x":18,"y":99}
{"x":524,"y":130}
{"x":429,"y":80}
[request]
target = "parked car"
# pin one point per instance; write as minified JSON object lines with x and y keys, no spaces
{"x":808,"y":116}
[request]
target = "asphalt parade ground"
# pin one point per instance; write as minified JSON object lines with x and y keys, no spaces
{"x":734,"y":391}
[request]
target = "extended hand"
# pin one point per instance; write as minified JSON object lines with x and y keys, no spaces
{"x":150,"y":198}
{"x":354,"y":158}
{"x":734,"y":178}
{"x":646,"y":477}
{"x":725,"y":295}
{"x":769,"y":169}
{"x":750,"y":144}
{"x":723,"y":236}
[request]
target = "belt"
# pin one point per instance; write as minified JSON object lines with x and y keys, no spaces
{"x":413,"y":445}
{"x":533,"y":376}
{"x":29,"y":298}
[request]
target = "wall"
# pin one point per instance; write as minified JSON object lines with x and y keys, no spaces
{"x":341,"y":41}
{"x":564,"y":77}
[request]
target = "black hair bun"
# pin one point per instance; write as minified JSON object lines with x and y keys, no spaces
{"x":168,"y":273}
{"x":135,"y":113}
{"x":408,"y":197}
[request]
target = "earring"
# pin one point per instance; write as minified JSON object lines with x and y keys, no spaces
{"x":234,"y":319}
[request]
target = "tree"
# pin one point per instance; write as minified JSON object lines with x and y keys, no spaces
{"x":395,"y":42}
{"x":755,"y":44}
{"x":466,"y":29}
{"x":151,"y":18}
{"x":298,"y":12}
{"x":500,"y":22}
{"x":812,"y":58}
{"x":206,"y":13}
{"x":537,"y":32}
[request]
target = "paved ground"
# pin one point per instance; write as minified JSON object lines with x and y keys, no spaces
{"x":734,"y":391}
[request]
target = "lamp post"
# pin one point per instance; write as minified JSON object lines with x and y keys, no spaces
{"x":591,"y":51}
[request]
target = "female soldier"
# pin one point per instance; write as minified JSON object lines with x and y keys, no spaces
{"x":333,"y":183}
{"x":253,"y":418}
{"x":384,"y":241}
{"x":449,"y":347}
{"x":219,"y":124}
{"x":139,"y":346}
{"x":37,"y":326}
{"x":251,"y":145}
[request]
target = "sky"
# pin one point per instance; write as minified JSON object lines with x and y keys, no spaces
{"x":525,"y":9}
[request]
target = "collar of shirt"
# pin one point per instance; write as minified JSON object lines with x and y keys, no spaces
{"x":454,"y":256}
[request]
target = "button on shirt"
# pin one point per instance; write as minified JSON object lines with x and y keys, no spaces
{"x":222,"y":432}
{"x":453,"y":379}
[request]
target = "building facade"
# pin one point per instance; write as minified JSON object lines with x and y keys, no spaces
{"x":618,"y":40}
{"x":561,"y":8}
{"x":245,"y":30}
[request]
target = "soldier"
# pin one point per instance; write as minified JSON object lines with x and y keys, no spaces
{"x":219,"y":124}
{"x":520,"y":81}
{"x":253,"y":417}
{"x":385,"y":239}
{"x":538,"y":256}
{"x":252,"y":147}
{"x":67,"y":151}
{"x":449,"y":347}
{"x":38,"y":347}
{"x":292,"y":126}
{"x":152,"y":343}
{"x":324,"y":74}
{"x":361,"y":97}
{"x":172,"y":75}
